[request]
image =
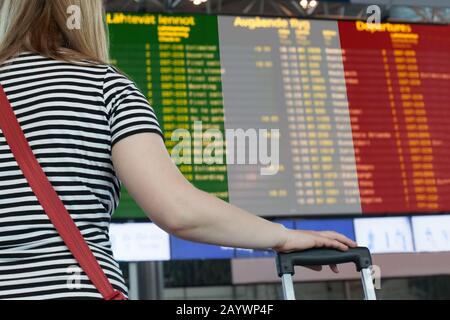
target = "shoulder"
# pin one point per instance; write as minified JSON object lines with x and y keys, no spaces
{"x":115,"y":79}
{"x":118,"y":87}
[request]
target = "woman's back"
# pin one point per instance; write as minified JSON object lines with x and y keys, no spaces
{"x":71,"y":115}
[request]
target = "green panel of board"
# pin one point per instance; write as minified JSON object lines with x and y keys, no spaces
{"x":175,"y":61}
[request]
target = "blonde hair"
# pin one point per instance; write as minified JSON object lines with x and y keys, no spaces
{"x":41,"y":26}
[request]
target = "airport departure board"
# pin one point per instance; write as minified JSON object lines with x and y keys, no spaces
{"x":360,"y":112}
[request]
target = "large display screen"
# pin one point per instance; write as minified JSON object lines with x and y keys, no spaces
{"x":431,"y":233}
{"x":358,"y":112}
{"x":385,"y":235}
{"x":423,"y":233}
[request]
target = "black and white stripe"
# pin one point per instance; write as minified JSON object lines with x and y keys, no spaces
{"x":72,"y":115}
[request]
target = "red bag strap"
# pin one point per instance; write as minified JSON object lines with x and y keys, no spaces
{"x":50,"y":202}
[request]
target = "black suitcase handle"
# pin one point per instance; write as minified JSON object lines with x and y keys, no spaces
{"x":286,"y":262}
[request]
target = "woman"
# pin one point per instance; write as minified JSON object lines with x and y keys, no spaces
{"x":88,"y":126}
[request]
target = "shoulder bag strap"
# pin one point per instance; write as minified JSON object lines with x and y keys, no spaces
{"x":51,"y":203}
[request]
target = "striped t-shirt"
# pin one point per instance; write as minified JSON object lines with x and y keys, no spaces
{"x":72,"y":115}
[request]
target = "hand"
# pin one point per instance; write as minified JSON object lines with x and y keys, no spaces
{"x":299,"y":240}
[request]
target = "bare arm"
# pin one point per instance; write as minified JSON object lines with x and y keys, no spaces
{"x":145,"y":167}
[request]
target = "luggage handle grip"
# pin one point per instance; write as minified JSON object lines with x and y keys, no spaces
{"x":286,"y":262}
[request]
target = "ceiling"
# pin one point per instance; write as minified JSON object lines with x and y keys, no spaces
{"x":430,"y":11}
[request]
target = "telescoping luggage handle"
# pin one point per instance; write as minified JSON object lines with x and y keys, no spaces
{"x":360,"y":256}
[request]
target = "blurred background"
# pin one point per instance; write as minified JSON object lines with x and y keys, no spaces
{"x":363,"y":116}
